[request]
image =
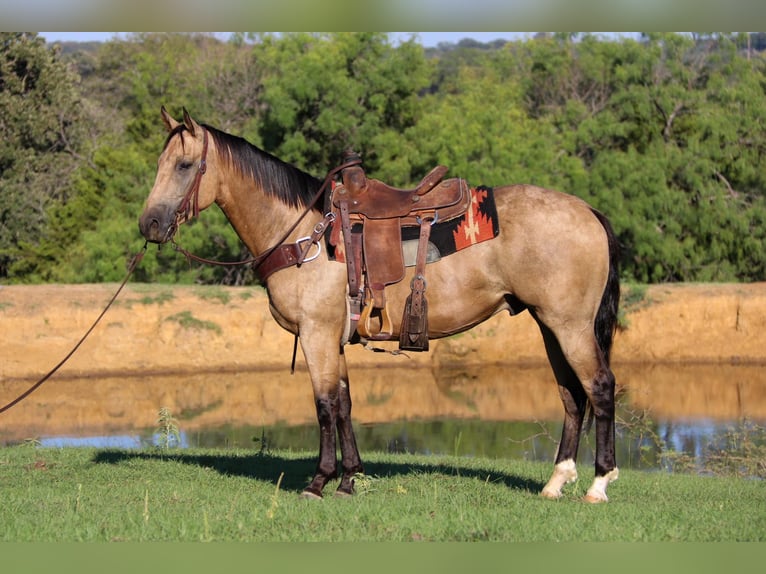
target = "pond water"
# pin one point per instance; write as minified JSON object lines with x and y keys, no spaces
{"x":668,"y":415}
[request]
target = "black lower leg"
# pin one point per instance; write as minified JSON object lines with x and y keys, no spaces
{"x":604,"y":411}
{"x":575,"y":401}
{"x":327,"y":412}
{"x":350,"y":460}
{"x":572,"y":395}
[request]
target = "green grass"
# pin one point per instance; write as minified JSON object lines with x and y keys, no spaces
{"x":75,"y":494}
{"x":158,"y":299}
{"x":188,"y":321}
{"x":632,"y":298}
{"x":213,"y":293}
{"x":152,"y":295}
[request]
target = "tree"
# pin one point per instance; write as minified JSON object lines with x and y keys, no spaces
{"x":43,"y":140}
{"x":682,"y":177}
{"x":324,"y":93}
{"x":665,"y":135}
{"x":669,"y":132}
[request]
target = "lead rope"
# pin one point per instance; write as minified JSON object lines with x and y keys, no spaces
{"x":131,"y":267}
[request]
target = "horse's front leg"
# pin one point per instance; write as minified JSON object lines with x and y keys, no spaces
{"x":329,"y":378}
{"x":350,"y":460}
{"x":327,"y":466}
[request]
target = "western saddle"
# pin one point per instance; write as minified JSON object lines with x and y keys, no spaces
{"x":372,"y":215}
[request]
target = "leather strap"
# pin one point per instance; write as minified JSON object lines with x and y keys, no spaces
{"x":190,"y":202}
{"x":319,"y":230}
{"x":352,"y":264}
{"x":413,"y":335}
{"x":419,"y":281}
{"x":283,"y":256}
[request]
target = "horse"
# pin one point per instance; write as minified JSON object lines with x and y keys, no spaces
{"x":555,"y":257}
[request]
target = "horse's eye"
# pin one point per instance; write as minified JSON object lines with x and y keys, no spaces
{"x":184,"y":164}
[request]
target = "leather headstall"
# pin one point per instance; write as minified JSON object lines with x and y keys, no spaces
{"x":190,"y":202}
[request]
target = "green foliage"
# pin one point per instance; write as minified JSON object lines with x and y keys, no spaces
{"x":659,"y":128}
{"x":158,"y":299}
{"x":665,"y":135}
{"x":324,"y":93}
{"x":187,"y":320}
{"x":43,"y":137}
{"x":214,"y":294}
{"x":90,"y":236}
{"x":488,"y":140}
{"x":632,"y":298}
{"x":739,"y":450}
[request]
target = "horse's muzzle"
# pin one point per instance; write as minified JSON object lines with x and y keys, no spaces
{"x":157,"y":225}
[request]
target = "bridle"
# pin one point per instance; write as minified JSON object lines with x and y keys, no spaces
{"x":189,"y":205}
{"x":276,"y":257}
{"x":286,"y":255}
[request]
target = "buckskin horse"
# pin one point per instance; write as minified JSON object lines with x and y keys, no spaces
{"x":554,"y":256}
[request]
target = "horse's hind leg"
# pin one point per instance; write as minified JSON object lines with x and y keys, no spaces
{"x":574,"y":398}
{"x":601,"y":394}
{"x":351,"y":463}
{"x":583,"y":376}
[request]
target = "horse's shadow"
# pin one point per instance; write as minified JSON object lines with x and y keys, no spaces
{"x":296,"y":473}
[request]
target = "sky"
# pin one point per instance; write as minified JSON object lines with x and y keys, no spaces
{"x":428,"y":39}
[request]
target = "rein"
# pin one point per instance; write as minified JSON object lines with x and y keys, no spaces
{"x":289,"y":254}
{"x":278,"y":256}
{"x":131,"y":267}
{"x":190,"y":205}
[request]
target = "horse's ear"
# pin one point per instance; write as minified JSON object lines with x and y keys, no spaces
{"x":190,"y":124}
{"x":168,"y":120}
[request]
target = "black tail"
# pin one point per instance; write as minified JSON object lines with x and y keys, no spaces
{"x":606,"y":319}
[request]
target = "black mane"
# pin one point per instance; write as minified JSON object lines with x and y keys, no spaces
{"x":276,"y":177}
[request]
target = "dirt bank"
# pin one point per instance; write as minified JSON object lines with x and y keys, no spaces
{"x":159,"y":329}
{"x":234,"y":361}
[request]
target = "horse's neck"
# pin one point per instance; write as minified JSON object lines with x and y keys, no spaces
{"x":260,"y":219}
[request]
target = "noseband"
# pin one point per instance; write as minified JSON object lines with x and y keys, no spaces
{"x":190,"y":203}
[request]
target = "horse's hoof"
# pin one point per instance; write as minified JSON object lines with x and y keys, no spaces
{"x":550,"y":494}
{"x":564,"y":472}
{"x":597,"y":492}
{"x":343,"y":493}
{"x":595,"y":498}
{"x":311,"y":494}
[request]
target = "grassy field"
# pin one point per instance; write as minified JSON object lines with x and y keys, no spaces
{"x":80,"y":494}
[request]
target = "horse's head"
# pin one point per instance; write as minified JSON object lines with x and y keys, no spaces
{"x":180,"y":191}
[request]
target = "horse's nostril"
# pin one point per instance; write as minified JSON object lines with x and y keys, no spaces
{"x":150,"y":228}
